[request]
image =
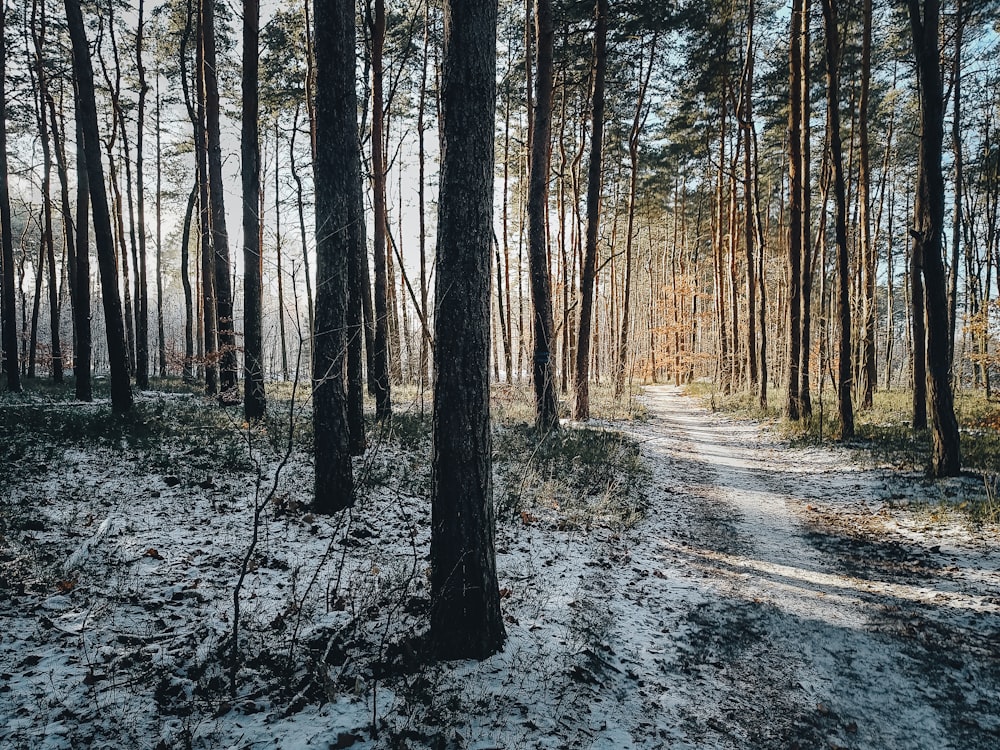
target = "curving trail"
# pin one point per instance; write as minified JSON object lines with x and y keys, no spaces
{"x":770,"y":600}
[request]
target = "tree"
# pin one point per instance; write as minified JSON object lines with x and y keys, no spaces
{"x":229,"y":393}
{"x":82,"y":353}
{"x":600,"y":66}
{"x":465,"y":598}
{"x":254,"y":403}
{"x":142,"y":297}
{"x":844,"y":370}
{"x":927,"y":232}
{"x":380,"y":355}
{"x":795,"y":216}
{"x":543,"y":370}
{"x":11,"y":365}
{"x":339,"y":222}
{"x":121,"y":393}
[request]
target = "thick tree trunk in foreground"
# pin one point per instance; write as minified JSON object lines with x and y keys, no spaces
{"x":121,"y":392}
{"x":543,"y":370}
{"x":465,"y":598}
{"x":946,"y":459}
{"x":339,"y":219}
{"x":581,"y":409}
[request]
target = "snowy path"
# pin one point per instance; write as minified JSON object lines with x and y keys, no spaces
{"x":748,"y":626}
{"x":771,"y":597}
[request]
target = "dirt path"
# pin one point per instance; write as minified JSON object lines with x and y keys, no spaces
{"x":768,"y":601}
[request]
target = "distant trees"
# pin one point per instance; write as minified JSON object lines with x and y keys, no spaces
{"x":659,"y":215}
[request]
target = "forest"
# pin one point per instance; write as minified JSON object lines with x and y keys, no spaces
{"x":500,"y":374}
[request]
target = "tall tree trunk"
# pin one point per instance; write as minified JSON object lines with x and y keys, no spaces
{"x":805,"y":184}
{"x":209,"y":315}
{"x":381,"y":354}
{"x":844,"y":369}
{"x":465,"y":599}
{"x":746,"y":127}
{"x":188,"y":372}
{"x":142,"y":298}
{"x":39,"y":26}
{"x":581,"y":410}
{"x":946,"y":459}
{"x":11,"y":366}
{"x":254,"y":402}
{"x":161,"y":338}
{"x":229,"y":391}
{"x":793,"y":404}
{"x":83,"y":352}
{"x":121,"y":393}
{"x":543,"y":370}
{"x":337,"y":170}
{"x":279,"y":265}
{"x":868,"y":254}
{"x":956,"y":139}
{"x":300,"y":205}
{"x":422,"y":207}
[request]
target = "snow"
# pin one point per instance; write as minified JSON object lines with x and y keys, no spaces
{"x":771,"y":596}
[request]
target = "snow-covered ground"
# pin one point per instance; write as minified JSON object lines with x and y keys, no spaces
{"x":771,"y":596}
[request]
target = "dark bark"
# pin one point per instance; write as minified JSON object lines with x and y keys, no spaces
{"x":956,"y":222}
{"x":543,"y":370}
{"x":381,"y":354}
{"x":868,"y":254}
{"x":228,"y":364}
{"x":187,"y":372}
{"x":946,"y":458}
{"x":337,"y":177}
{"x":11,"y":366}
{"x":805,"y":185}
{"x":746,"y":124}
{"x":142,"y":297}
{"x":793,"y":402}
{"x":581,"y":409}
{"x":121,"y":393}
{"x":465,"y":599}
{"x":254,"y":403}
{"x":81,"y":270}
{"x":844,"y":369}
{"x":161,"y":338}
{"x":209,"y":313}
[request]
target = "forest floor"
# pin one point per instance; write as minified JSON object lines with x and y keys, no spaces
{"x":750,"y":593}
